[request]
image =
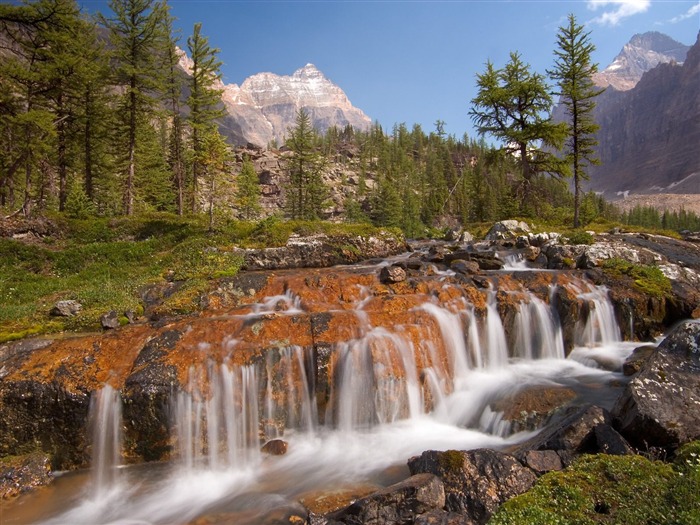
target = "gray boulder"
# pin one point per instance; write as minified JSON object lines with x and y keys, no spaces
{"x":68,"y":308}
{"x":660,"y":407}
{"x":397,"y":504}
{"x":510,"y":229}
{"x":476,"y":482}
{"x":392,"y":274}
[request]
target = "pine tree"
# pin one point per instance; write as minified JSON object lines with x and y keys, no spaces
{"x":574,"y":72}
{"x":248,"y":191}
{"x":307,"y":193}
{"x":204,"y":100}
{"x":513,"y":105}
{"x":134,"y":32}
{"x":213,"y":157}
{"x":172,"y":97}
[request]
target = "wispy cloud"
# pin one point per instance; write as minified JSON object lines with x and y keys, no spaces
{"x":616,"y":10}
{"x":689,"y":14}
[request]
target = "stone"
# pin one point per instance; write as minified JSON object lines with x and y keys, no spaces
{"x":509,"y":229}
{"x":660,"y":406}
{"x":636,"y":360}
{"x":275,"y":447}
{"x":609,"y":441}
{"x":476,"y":482}
{"x":572,"y":434}
{"x":465,"y":267}
{"x":392,"y":274}
{"x":397,"y":504}
{"x":19,"y":474}
{"x":110,"y":320}
{"x":542,"y":461}
{"x":68,"y":308}
{"x":522,"y":241}
{"x":529,"y":408}
{"x":441,"y":517}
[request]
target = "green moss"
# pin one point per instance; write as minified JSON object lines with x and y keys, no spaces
{"x":629,"y":490}
{"x":451,"y":461}
{"x":646,"y":279}
{"x":580,"y":237}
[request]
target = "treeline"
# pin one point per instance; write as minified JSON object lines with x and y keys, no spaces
{"x":650,"y":217}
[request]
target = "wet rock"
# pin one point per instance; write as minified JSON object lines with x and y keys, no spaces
{"x":541,"y":461}
{"x":522,"y":241}
{"x":453,"y":234}
{"x":476,"y":482}
{"x":392,"y":274}
{"x":397,"y":504}
{"x":488,"y":261}
{"x":529,"y":408}
{"x":457,"y":255}
{"x":660,"y":407}
{"x":19,"y":474}
{"x":275,"y":447}
{"x":441,"y":517}
{"x":509,"y":229}
{"x":110,"y":320}
{"x":636,"y":360}
{"x":67,"y":308}
{"x":465,"y":267}
{"x":572,"y":434}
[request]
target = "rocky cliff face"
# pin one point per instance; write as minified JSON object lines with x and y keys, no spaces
{"x":649,"y":132}
{"x":642,"y":53}
{"x":265,"y":105}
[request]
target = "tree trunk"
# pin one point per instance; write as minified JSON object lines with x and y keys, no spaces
{"x":129,"y":186}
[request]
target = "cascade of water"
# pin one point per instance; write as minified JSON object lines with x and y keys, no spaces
{"x":377,"y":381}
{"x":301,"y":403}
{"x":217,"y":421}
{"x":496,"y":345}
{"x":600,"y":326}
{"x":515,"y":262}
{"x":538,"y":335}
{"x":105,"y":418}
{"x":452,"y":333}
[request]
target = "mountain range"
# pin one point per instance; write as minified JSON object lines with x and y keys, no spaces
{"x":262,"y":109}
{"x":649,"y":117}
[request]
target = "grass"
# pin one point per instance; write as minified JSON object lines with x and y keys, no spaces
{"x":105,"y":263}
{"x":602,"y":489}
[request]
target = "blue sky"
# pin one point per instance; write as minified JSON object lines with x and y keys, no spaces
{"x":414,"y":61}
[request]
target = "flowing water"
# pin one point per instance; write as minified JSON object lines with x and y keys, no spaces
{"x":391,"y":398}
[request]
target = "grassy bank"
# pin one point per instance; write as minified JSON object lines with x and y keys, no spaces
{"x":105,"y":264}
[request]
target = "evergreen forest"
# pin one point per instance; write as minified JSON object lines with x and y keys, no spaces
{"x":97,"y":119}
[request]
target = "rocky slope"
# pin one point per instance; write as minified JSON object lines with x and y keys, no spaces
{"x":648,"y":134}
{"x":641,"y":54}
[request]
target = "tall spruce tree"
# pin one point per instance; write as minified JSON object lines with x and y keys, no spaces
{"x":307,"y":193}
{"x":135,"y":33}
{"x":573,"y":71}
{"x":204,"y":100}
{"x":248,"y":191}
{"x":173,"y":84}
{"x":513,"y":105}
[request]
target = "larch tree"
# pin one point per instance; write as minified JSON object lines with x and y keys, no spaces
{"x":513,"y":105}
{"x":573,"y":71}
{"x":204,"y":100}
{"x":134,"y":32}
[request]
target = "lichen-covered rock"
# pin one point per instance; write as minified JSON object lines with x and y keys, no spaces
{"x":660,"y":407}
{"x":392,"y":274}
{"x":275,"y":447}
{"x":529,"y":408}
{"x":19,"y":474}
{"x":398,"y":504}
{"x":476,"y":482}
{"x":68,"y":308}
{"x":509,"y":229}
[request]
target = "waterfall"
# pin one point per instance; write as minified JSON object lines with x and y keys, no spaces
{"x":105,"y":417}
{"x":600,"y":326}
{"x":217,"y":419}
{"x":537,"y":334}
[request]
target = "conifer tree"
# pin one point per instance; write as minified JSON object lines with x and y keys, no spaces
{"x":204,"y":100}
{"x":134,"y":32}
{"x":307,"y":192}
{"x":513,"y":105}
{"x":248,"y":191}
{"x":573,"y":71}
{"x":213,"y":157}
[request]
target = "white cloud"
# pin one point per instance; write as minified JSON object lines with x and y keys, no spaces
{"x":691,"y":12}
{"x":616,"y":10}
